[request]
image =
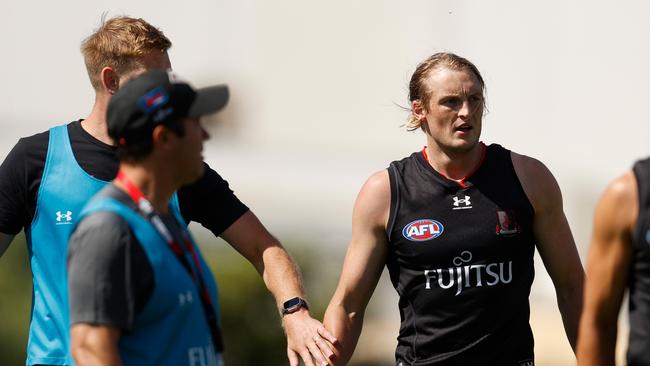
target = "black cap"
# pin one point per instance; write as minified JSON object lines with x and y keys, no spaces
{"x":157,"y":97}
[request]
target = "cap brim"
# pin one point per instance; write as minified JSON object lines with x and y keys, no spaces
{"x":209,"y":100}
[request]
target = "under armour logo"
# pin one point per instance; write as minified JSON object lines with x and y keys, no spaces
{"x":465,"y":201}
{"x":63,"y":218}
{"x":185,"y":298}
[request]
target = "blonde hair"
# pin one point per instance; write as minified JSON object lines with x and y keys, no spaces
{"x":120,"y":43}
{"x":417,"y":87}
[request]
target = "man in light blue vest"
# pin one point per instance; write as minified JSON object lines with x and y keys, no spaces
{"x":47,"y":177}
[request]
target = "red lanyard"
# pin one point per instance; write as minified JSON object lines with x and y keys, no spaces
{"x":179,"y":250}
{"x":147,"y":209}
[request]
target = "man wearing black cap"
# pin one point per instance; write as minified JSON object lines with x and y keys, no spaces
{"x":140,"y":292}
{"x":47,"y":178}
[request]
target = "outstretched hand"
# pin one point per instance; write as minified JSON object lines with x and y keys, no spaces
{"x":308,"y":339}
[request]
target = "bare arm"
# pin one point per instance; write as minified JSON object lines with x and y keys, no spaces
{"x":281,"y":276}
{"x":5,"y":240}
{"x":362,"y":267}
{"x":609,"y":259}
{"x":554,"y":240}
{"x":95,"y":345}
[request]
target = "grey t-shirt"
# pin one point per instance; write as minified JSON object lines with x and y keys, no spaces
{"x":110,"y":278}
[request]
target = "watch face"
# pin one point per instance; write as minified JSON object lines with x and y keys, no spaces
{"x":291,"y":303}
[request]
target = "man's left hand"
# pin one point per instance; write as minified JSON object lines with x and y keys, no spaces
{"x":308,"y":339}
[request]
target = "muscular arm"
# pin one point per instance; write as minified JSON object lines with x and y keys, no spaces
{"x":95,"y":345}
{"x":554,"y":240}
{"x":251,"y":239}
{"x":281,"y":276}
{"x":236,"y":224}
{"x":362,"y":267}
{"x":608,"y":262}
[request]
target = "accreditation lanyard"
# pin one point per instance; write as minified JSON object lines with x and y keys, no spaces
{"x":180,"y":250}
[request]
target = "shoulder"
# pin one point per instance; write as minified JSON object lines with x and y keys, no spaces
{"x":536,"y":179}
{"x":619,"y":204}
{"x":623,"y":187}
{"x":39,"y":137}
{"x":528,"y":168}
{"x":32,"y":145}
{"x":100,"y":245}
{"x":29,"y":152}
{"x":373,"y":201}
{"x":210,"y":178}
{"x":377,"y":186}
{"x":104,"y":221}
{"x":36,"y":140}
{"x":26,"y":159}
{"x":198,"y":200}
{"x":103,"y":232}
{"x":209,"y":184}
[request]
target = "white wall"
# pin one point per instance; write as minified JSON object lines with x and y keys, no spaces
{"x":567,"y":81}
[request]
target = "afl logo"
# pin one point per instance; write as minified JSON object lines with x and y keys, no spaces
{"x":423,"y":230}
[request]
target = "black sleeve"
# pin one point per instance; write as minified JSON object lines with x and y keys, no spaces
{"x":20,"y":178}
{"x":210,"y":202}
{"x":109,"y":276}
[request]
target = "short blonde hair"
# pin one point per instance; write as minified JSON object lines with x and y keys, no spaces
{"x":121,"y":43}
{"x":417,"y":86}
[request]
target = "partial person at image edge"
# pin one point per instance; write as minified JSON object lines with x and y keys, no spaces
{"x":618,"y":261}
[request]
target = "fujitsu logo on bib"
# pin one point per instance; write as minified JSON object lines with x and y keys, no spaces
{"x":423,"y":230}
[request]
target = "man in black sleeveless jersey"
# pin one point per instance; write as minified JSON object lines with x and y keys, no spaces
{"x":619,"y":259}
{"x":119,"y":50}
{"x":456,"y":224}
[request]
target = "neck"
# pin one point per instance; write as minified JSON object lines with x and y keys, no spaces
{"x":95,"y":123}
{"x":156,"y":186}
{"x":453,"y":164}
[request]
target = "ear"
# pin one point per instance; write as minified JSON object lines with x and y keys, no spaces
{"x":160,"y":135}
{"x":110,"y":80}
{"x":164,"y":138}
{"x":418,"y":110}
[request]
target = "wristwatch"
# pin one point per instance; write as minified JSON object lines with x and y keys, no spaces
{"x":293,"y":305}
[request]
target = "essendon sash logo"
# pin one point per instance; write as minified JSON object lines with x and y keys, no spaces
{"x":507,"y":223}
{"x":423,"y":230}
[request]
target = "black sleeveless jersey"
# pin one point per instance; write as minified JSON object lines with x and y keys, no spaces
{"x":639,"y":276}
{"x":461,"y":259}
